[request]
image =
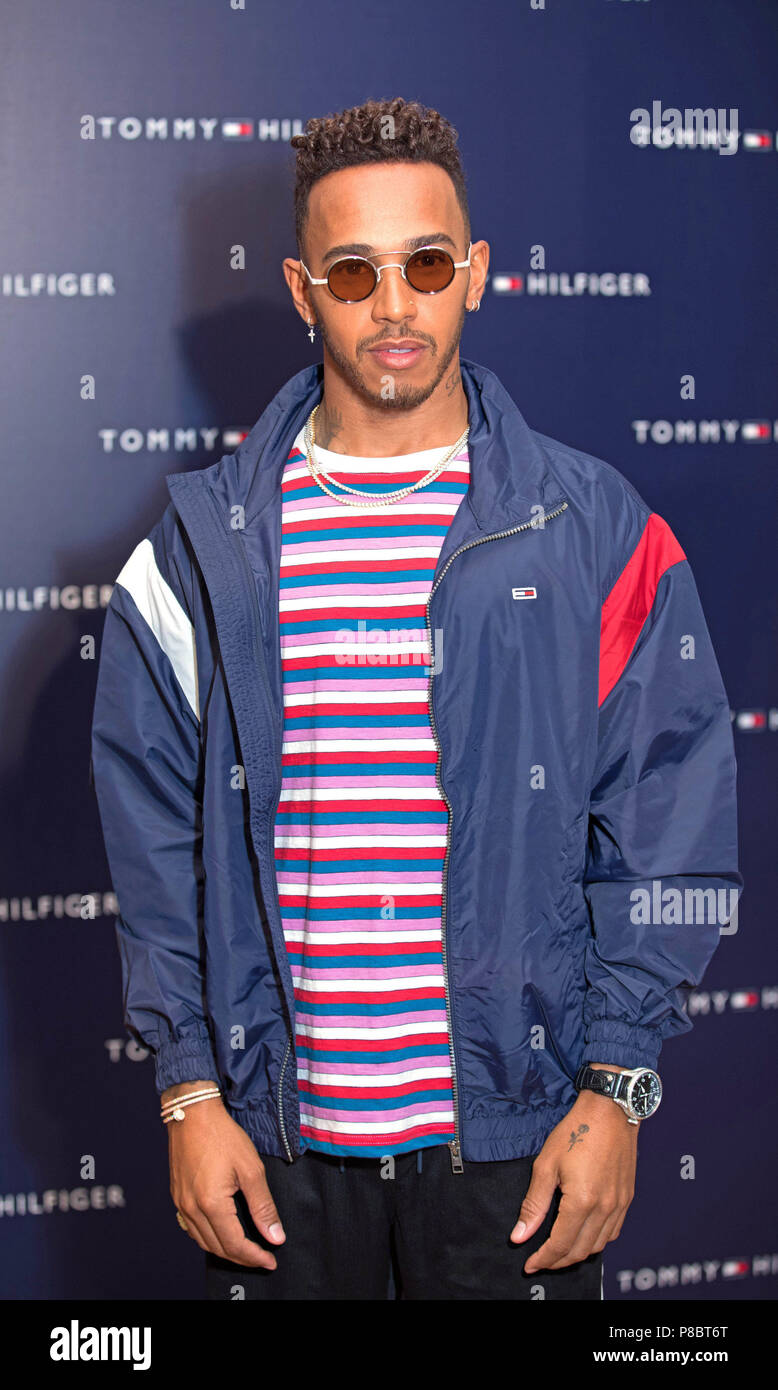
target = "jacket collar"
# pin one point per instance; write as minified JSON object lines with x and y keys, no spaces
{"x":509,"y":471}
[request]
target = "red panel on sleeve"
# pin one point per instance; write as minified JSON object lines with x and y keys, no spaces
{"x":630,"y":600}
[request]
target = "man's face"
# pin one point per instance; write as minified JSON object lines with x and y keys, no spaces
{"x":380,"y":207}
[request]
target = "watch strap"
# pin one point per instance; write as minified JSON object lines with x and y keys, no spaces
{"x":617,"y":1085}
{"x":602,"y":1081}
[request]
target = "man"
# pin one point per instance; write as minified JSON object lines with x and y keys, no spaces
{"x":417,"y":783}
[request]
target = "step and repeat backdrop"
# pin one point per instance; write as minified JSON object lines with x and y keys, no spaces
{"x":622,"y":159}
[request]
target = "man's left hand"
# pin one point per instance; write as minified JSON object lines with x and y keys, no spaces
{"x":592,"y":1155}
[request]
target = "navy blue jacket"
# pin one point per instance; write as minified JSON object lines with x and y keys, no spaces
{"x":585,"y":756}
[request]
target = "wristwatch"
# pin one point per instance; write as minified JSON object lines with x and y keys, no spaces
{"x":638,"y":1092}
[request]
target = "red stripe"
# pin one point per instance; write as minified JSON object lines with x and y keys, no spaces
{"x":410,"y":475}
{"x":375,"y":1140}
{"x":320,"y":568}
{"x":366,"y":900}
{"x":412,"y":994}
{"x":414,"y":656}
{"x":350,"y":610}
{"x":630,"y":600}
{"x":303,"y":1039}
{"x":326,"y":523}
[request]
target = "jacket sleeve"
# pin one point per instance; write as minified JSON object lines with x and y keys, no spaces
{"x":661,"y":878}
{"x":146,"y":768}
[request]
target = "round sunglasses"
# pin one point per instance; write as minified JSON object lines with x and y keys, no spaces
{"x":353,"y":278}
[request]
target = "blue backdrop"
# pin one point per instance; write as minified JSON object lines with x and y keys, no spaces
{"x":659,"y":267}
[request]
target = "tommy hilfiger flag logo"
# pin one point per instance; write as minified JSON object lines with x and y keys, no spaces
{"x":751,"y":719}
{"x":527,"y":592}
{"x":744,"y":999}
{"x":755,"y":429}
{"x":508,"y":284}
{"x":757,"y":140}
{"x":232,"y":438}
{"x":237,"y":130}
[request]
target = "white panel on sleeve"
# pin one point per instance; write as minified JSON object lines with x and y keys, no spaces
{"x":157,"y":603}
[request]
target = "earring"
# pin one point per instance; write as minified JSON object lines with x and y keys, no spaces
{"x":311,"y":330}
{"x":475,"y":305}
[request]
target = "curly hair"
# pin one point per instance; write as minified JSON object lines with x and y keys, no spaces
{"x":378,"y":130}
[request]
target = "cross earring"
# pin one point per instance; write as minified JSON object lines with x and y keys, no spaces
{"x":311,"y":330}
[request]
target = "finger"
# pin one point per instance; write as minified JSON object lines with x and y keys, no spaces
{"x":197,"y":1224}
{"x":537,"y":1201}
{"x":608,"y":1231}
{"x":616,"y":1232}
{"x":611,"y":1226}
{"x":264,"y":1213}
{"x":565,"y":1232}
{"x":204,"y":1233}
{"x":614,"y":1229}
{"x":222,"y":1215}
{"x":558,"y":1254}
{"x":199,"y":1228}
{"x":621,"y":1215}
{"x":588,"y":1243}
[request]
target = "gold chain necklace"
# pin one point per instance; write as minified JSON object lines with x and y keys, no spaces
{"x":316,"y":468}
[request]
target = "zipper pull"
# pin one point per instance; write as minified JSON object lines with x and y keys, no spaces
{"x":457,"y":1165}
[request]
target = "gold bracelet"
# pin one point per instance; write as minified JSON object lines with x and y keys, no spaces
{"x":205,"y":1090}
{"x":177,"y":1107}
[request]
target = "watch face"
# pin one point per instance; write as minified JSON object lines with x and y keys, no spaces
{"x":645,"y":1094}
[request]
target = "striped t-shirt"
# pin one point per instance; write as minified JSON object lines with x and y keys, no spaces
{"x":360,"y":833}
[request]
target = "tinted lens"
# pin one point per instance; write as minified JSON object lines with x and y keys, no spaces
{"x":429,"y":270}
{"x":351,"y":279}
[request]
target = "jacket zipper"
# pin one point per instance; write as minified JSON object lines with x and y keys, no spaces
{"x":271,"y":826}
{"x":281,"y":1100}
{"x":271,"y":853}
{"x":454,"y":1145}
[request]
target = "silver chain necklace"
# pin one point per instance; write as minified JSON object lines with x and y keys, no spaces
{"x":316,"y":470}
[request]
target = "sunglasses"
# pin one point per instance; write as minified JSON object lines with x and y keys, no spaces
{"x":353,"y":278}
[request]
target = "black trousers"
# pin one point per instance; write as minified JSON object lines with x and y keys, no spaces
{"x":423,"y":1233}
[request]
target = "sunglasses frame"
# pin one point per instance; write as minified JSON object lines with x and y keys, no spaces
{"x":378,"y":269}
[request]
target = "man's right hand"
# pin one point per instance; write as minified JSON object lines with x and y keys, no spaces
{"x":211,"y":1157}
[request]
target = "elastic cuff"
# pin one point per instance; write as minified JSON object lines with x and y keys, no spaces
{"x":622,"y":1044}
{"x":189,"y":1058}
